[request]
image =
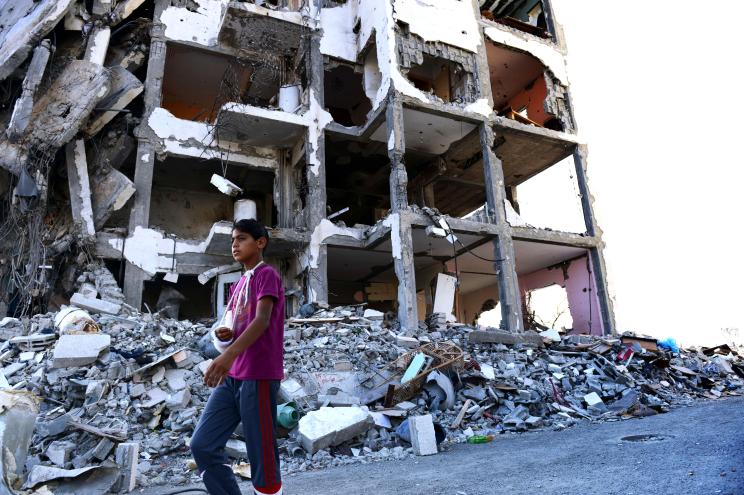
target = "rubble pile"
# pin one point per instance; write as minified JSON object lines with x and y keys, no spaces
{"x":121,"y":393}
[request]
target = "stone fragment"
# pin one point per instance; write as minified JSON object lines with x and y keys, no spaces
{"x":330,"y":426}
{"x":79,"y":350}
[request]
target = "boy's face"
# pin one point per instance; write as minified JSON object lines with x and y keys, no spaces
{"x":245,"y":248}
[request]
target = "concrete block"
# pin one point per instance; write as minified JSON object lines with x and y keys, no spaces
{"x":503,"y":337}
{"x":79,"y":350}
{"x":155,"y":397}
{"x":291,"y":389}
{"x":407,"y":342}
{"x":102,"y":449}
{"x":178,"y":400}
{"x":53,"y":427}
{"x":341,"y":399}
{"x":137,"y":390}
{"x":423,"y":439}
{"x":176,"y":379}
{"x":593,"y":399}
{"x":204,"y":366}
{"x":26,"y":356}
{"x":127,"y":455}
{"x":330,"y":426}
{"x":373,"y":314}
{"x":59,"y":452}
{"x":236,"y":449}
{"x":110,"y":191}
{"x":94,"y":305}
{"x":182,"y":359}
{"x":124,"y":87}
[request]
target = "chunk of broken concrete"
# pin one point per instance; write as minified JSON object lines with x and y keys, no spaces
{"x":407,"y":342}
{"x":330,"y":426}
{"x":176,"y":379}
{"x":178,"y":400}
{"x":79,"y":350}
{"x":156,"y":396}
{"x":91,"y":480}
{"x":127,"y":455}
{"x":18,"y":412}
{"x":59,"y":452}
{"x":236,"y":449}
{"x":423,"y":438}
{"x":95,"y":305}
{"x":593,"y":399}
{"x":503,"y":337}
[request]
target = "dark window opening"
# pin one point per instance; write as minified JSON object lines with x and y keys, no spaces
{"x":187,"y":299}
{"x":362,"y":276}
{"x":345,"y":98}
{"x":453,"y":182}
{"x":439,"y":77}
{"x":525,"y":15}
{"x":357,"y":177}
{"x":198,"y":94}
{"x":186,"y":204}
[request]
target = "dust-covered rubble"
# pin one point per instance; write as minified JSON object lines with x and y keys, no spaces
{"x":353,"y":384}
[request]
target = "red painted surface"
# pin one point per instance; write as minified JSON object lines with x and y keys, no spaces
{"x":534,"y":99}
{"x":581,"y":289}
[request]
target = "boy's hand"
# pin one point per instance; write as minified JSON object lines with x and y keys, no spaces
{"x":218,"y":370}
{"x":224,"y":334}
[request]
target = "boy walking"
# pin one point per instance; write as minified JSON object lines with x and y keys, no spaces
{"x":247,"y":374}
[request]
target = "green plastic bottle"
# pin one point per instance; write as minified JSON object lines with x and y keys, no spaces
{"x":480,"y":438}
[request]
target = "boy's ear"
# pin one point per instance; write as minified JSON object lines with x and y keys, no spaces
{"x":261,"y":242}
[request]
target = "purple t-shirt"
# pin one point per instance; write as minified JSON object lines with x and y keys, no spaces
{"x":264,"y":359}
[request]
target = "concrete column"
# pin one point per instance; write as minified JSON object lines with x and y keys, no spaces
{"x":134,"y":277}
{"x":503,"y":247}
{"x":317,"y":277}
{"x":399,"y":223}
{"x":80,"y":195}
{"x":596,"y":255}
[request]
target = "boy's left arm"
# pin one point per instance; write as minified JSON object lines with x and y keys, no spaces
{"x":221,"y":365}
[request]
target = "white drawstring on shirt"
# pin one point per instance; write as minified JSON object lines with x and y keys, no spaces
{"x":240,"y":302}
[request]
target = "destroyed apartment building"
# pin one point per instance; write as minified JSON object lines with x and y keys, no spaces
{"x":382,"y":141}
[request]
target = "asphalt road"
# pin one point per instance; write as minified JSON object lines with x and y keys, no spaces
{"x":697,"y":450}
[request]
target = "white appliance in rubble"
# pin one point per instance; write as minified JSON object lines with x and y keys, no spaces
{"x":243,"y":209}
{"x":224,"y":282}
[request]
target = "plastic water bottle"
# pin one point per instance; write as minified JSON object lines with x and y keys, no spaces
{"x":480,"y":438}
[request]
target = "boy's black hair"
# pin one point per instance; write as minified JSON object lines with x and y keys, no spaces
{"x":252,"y":227}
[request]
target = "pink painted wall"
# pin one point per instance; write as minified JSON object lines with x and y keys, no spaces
{"x":583,"y":304}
